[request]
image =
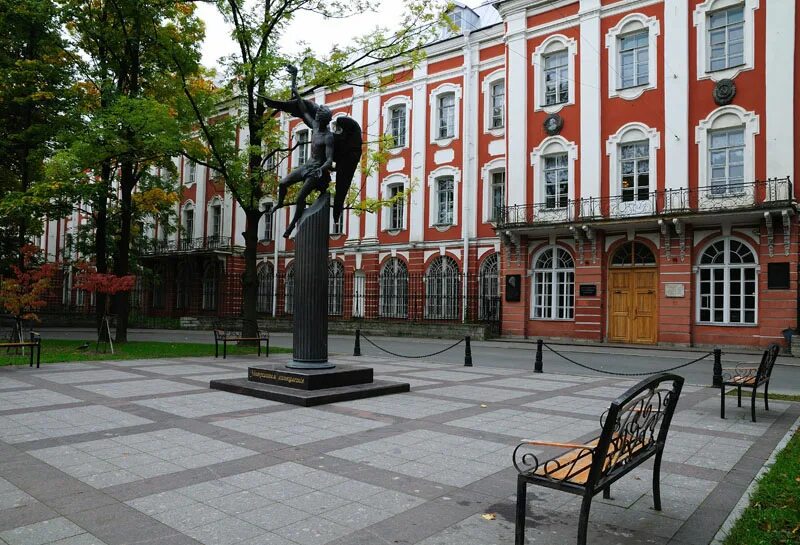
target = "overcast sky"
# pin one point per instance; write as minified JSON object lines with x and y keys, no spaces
{"x":321,"y":35}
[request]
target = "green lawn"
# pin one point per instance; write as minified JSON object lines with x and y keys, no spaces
{"x":56,"y":350}
{"x":747,"y":392}
{"x":773,"y":517}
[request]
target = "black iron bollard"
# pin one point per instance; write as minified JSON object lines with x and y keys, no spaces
{"x":467,"y":352}
{"x":357,"y":347}
{"x":717,"y":367}
{"x":537,"y":365}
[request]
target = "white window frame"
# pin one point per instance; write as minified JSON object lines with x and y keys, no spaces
{"x":434,"y":114}
{"x":262,"y":227}
{"x":486,"y":176}
{"x":216,"y":201}
{"x":433,"y":195}
{"x":190,"y":177}
{"x":553,"y":44}
{"x":393,"y":180}
{"x":488,"y":83}
{"x":295,"y":140}
{"x":553,"y":282}
{"x":727,"y":117}
{"x":727,"y":282}
{"x":440,"y":304}
{"x":551,"y":146}
{"x":337,"y":229}
{"x":395,"y":101}
{"x":701,"y":16}
{"x":629,"y":133}
{"x":635,"y":22}
{"x":187,"y":206}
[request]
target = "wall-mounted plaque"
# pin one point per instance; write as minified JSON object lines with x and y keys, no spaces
{"x":674,"y":290}
{"x":588,"y":290}
{"x":778,"y":276}
{"x":513,"y":291}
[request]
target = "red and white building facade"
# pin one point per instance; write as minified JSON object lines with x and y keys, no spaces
{"x":625,"y":166}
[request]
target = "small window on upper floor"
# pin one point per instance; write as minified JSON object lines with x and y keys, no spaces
{"x":336,"y":227}
{"x":266,"y":233}
{"x":397,"y":209}
{"x":191,"y":172}
{"x":397,"y":125}
{"x":446,"y":110}
{"x":498,"y":104}
{"x":302,"y":147}
{"x":556,"y":78}
{"x":634,"y":60}
{"x":444,"y":200}
{"x":498,"y":194}
{"x":726,"y":38}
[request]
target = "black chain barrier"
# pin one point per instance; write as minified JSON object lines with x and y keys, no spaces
{"x":410,"y":357}
{"x":557,"y":353}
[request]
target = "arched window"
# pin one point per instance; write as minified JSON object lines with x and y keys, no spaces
{"x":553,"y":285}
{"x":489,"y":289}
{"x":266,"y":274}
{"x":633,"y":254}
{"x":210,"y":287}
{"x":727,"y":283}
{"x":289,"y":290}
{"x":442,"y":289}
{"x":394,"y":289}
{"x":335,"y":287}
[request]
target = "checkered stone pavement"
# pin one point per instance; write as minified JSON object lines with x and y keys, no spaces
{"x":116,"y":453}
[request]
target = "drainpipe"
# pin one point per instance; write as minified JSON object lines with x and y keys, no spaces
{"x":466,"y":189}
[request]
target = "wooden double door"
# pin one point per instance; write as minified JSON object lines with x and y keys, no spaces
{"x":633,"y":305}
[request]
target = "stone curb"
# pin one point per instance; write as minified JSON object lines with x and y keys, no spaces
{"x":739,"y":508}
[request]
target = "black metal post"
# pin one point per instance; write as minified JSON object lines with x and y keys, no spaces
{"x":717,"y":367}
{"x":357,"y":347}
{"x":537,"y":365}
{"x":467,"y":352}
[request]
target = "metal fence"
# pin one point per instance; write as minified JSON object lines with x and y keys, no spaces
{"x":161,"y":301}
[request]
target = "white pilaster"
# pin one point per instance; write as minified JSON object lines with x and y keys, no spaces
{"x":676,"y":94}
{"x":517,"y":109}
{"x":590,"y":144}
{"x":780,"y":38}
{"x":373,"y":133}
{"x":470,"y":159}
{"x":419,"y":111}
{"x":356,"y":112}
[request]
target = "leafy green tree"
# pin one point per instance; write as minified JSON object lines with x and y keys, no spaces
{"x":37,"y":99}
{"x":256,"y":71}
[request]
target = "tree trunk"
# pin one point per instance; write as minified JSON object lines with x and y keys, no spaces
{"x":122,"y":262}
{"x":250,"y":275}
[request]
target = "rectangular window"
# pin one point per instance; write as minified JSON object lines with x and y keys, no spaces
{"x":635,"y":171}
{"x":556,"y":180}
{"x":726,"y":38}
{"x":444,"y":194}
{"x":556,"y":78}
{"x":191,"y":173}
{"x":447,"y":115}
{"x":498,"y":104}
{"x":726,"y":161}
{"x":633,"y":60}
{"x":216,"y":222}
{"x":498,"y":193}
{"x":302,"y":147}
{"x":397,"y":212}
{"x":267,"y":233}
{"x":397,"y":126}
{"x":188,"y":224}
{"x":337,"y":227}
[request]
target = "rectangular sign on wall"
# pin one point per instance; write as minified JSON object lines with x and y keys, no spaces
{"x":778,"y":276}
{"x":513,"y":291}
{"x":588,"y":290}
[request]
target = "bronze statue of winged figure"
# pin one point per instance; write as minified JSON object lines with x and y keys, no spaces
{"x":330,"y":150}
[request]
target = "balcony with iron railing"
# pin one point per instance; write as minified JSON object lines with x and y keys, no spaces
{"x":763,"y":194}
{"x":187,"y":245}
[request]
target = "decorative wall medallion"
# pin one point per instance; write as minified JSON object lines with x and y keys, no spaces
{"x":724,"y":92}
{"x":553,"y":124}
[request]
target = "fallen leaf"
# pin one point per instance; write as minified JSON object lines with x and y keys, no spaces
{"x":484,"y":405}
{"x":488,"y":516}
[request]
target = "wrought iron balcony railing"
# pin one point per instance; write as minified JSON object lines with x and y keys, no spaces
{"x":713,"y":198}
{"x":203,"y":244}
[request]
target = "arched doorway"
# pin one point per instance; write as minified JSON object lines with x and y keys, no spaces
{"x":633,"y":295}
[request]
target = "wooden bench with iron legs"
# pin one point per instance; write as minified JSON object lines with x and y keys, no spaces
{"x":750,"y":377}
{"x":35,"y":345}
{"x":221,"y":335}
{"x":634,"y":429}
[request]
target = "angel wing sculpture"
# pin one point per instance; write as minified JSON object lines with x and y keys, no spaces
{"x":329,"y":150}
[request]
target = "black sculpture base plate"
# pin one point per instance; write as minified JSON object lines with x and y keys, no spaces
{"x":309,"y":379}
{"x":309,"y":398}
